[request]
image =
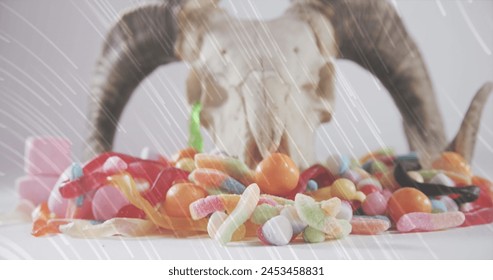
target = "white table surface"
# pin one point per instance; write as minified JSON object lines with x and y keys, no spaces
{"x":460,"y":243}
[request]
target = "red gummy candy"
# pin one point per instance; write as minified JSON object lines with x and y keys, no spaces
{"x":478,"y":217}
{"x":485,"y":199}
{"x":130,"y":211}
{"x":318,"y":173}
{"x":96,"y":164}
{"x":145,"y":169}
{"x":94,"y":178}
{"x":82,"y":185}
{"x":368,"y":189}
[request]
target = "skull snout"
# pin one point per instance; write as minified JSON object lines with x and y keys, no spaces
{"x":263,"y":96}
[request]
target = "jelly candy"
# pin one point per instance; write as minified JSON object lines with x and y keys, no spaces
{"x":346,"y":212}
{"x":97,"y":163}
{"x":130,"y":211}
{"x":240,"y":215}
{"x":229,"y":165}
{"x":429,"y":222}
{"x":46,"y":156}
{"x":297,"y":224}
{"x":83,"y":185}
{"x":312,"y":235}
{"x":311,"y":186}
{"x":277,"y":174}
{"x":43,"y":223}
{"x":213,"y":179}
{"x":346,"y":190}
{"x":367,"y":225}
{"x":106,"y":203}
{"x":437,"y":206}
{"x":189,"y":152}
{"x":217,"y":219}
{"x":442,"y":179}
{"x":311,"y":213}
{"x":180,"y":196}
{"x":369,"y":182}
{"x":331,"y":206}
{"x":453,"y":162}
{"x":338,"y":165}
{"x":416,"y":176}
{"x":114,"y":164}
{"x":449,"y":203}
{"x":375,"y":204}
{"x":205,"y":206}
{"x":318,"y":173}
{"x":126,"y":184}
{"x":478,"y":217}
{"x":187,"y":164}
{"x":263,"y":213}
{"x":465,"y":194}
{"x":276,"y":231}
{"x":407,"y":200}
{"x":162,"y":183}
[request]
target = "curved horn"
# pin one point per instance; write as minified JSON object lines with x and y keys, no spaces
{"x":141,"y":40}
{"x":465,"y":140}
{"x":372,"y":34}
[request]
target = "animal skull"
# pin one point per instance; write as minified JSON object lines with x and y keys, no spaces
{"x":263,"y":90}
{"x":266,"y":86}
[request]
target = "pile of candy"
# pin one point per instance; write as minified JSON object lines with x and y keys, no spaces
{"x":197,"y":193}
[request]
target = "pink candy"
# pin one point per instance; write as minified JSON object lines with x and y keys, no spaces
{"x":106,"y":203}
{"x":47,"y":155}
{"x":419,"y":221}
{"x":205,"y":206}
{"x":36,"y":189}
{"x":375,"y":204}
{"x":44,"y":160}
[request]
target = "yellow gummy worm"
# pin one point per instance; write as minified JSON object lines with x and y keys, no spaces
{"x":125,"y":183}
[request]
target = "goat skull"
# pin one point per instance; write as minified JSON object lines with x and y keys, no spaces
{"x":266,"y":86}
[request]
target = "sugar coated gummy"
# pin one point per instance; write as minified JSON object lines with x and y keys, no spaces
{"x":429,"y":222}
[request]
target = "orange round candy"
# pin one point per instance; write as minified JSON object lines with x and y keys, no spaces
{"x":407,"y":200}
{"x":453,"y":162}
{"x":277,"y":174}
{"x":179,"y":197}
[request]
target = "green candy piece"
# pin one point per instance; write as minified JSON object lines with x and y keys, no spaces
{"x":195,"y":141}
{"x":263,"y":213}
{"x":385,"y":151}
{"x":312,"y":235}
{"x":378,"y":167}
{"x":309,"y":211}
{"x":427,"y":174}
